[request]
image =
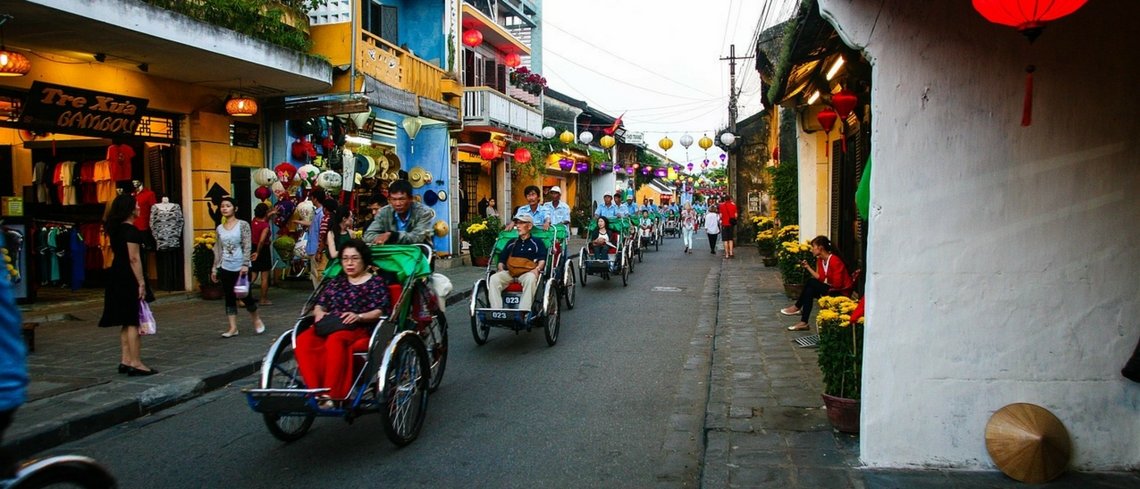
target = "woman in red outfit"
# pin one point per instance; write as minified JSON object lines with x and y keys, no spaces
{"x":346,"y":310}
{"x":830,"y":275}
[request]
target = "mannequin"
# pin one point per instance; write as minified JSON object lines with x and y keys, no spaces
{"x":166,"y":223}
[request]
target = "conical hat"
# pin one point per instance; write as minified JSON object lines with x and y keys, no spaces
{"x":1028,"y":443}
{"x":417,"y":177}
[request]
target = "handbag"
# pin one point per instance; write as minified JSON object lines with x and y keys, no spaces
{"x":241,"y":287}
{"x":330,"y":324}
{"x":518,"y":265}
{"x":147,"y":325}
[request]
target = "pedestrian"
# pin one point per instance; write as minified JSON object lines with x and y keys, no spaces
{"x":13,"y":368}
{"x":688,"y":226}
{"x":491,"y":211}
{"x":313,"y":236}
{"x":728,"y":217}
{"x":125,"y":285}
{"x":829,"y":275}
{"x":262,"y":256}
{"x":340,"y":231}
{"x":712,"y":227}
{"x":231,"y":262}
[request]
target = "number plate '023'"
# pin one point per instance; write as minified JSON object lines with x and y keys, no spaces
{"x":498,"y":315}
{"x":513,"y":300}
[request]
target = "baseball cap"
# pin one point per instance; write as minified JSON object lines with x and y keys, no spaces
{"x":523,"y":218}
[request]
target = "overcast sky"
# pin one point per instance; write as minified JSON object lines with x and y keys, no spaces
{"x":657,"y":60}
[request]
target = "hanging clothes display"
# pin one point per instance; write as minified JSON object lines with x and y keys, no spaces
{"x":40,"y":181}
{"x":120,"y":156}
{"x":104,"y":184}
{"x":166,"y":221}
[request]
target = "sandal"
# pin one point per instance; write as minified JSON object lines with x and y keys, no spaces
{"x":259,"y":328}
{"x":228,"y":334}
{"x":797,"y":327}
{"x":788,"y":312}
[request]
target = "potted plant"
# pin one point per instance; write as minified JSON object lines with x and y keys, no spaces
{"x":202,"y":260}
{"x":580,"y":220}
{"x":840,"y":361}
{"x":791,"y":253}
{"x":481,"y":235}
{"x":765,"y":239}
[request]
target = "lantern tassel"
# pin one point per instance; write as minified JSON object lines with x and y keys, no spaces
{"x":1027,"y":107}
{"x":843,"y":138}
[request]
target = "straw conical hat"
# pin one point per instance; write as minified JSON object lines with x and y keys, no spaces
{"x":1028,"y":443}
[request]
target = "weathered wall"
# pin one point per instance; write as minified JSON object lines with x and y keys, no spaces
{"x":813,"y":184}
{"x":1002,"y":258}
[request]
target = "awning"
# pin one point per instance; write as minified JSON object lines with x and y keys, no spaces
{"x":660,"y":186}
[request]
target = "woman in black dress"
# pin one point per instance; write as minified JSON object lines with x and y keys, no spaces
{"x":125,"y":286}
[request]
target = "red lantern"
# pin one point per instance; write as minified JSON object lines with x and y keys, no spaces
{"x":844,"y":102}
{"x":513,"y":60}
{"x":827,"y":118}
{"x":488,"y":151}
{"x":522,"y":155}
{"x":1029,"y":17}
{"x":472,"y":38}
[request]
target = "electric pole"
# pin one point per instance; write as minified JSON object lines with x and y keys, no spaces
{"x":733,"y":93}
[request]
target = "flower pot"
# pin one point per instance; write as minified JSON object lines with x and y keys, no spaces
{"x":793,"y":291}
{"x":843,"y":413}
{"x":770,"y":261}
{"x":211,"y":292}
{"x":480,"y":261}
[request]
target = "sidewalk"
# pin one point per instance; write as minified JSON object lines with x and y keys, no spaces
{"x":764,"y":422}
{"x":75,"y":389}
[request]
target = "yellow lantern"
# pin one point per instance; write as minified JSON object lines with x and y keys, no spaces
{"x":705,"y":142}
{"x":566,"y":137}
{"x":665,"y":143}
{"x":607,"y":142}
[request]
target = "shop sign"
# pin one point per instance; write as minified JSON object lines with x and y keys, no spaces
{"x":70,"y":110}
{"x":245,"y":135}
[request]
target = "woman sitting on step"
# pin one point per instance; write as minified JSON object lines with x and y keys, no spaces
{"x":829,"y":277}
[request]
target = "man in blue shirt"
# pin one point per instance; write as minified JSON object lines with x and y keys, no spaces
{"x":13,"y":367}
{"x":631,"y":207}
{"x":607,"y":210}
{"x":558,"y":211}
{"x":533,"y":208}
{"x":521,"y":249}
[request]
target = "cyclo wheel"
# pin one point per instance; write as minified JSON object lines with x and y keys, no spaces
{"x":284,"y":374}
{"x":435,"y":338}
{"x":553,"y":322}
{"x":568,"y":286}
{"x":479,"y":330}
{"x":63,"y":471}
{"x":625,"y":273}
{"x":403,"y":403}
{"x":629,"y":260}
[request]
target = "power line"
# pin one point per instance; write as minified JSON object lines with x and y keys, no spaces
{"x":623,"y":82}
{"x":609,"y":52}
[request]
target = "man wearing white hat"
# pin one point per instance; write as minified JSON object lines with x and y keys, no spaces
{"x":558,"y":211}
{"x":522,"y":261}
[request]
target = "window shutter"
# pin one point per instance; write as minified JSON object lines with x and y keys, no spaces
{"x":389,"y":24}
{"x":469,"y":68}
{"x":489,"y":73}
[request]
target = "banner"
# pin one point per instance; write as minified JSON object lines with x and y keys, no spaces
{"x":70,"y":110}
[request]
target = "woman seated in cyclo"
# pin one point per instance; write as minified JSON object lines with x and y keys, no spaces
{"x":829,"y":277}
{"x":522,"y":261}
{"x":646,"y":226}
{"x":601,"y":242}
{"x":346,"y":310}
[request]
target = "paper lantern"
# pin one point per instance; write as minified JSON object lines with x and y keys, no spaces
{"x":241,"y":106}
{"x":548,"y":132}
{"x":665,"y":143}
{"x":512,"y":60}
{"x":522,"y":155}
{"x":565,"y":164}
{"x":689,"y":166}
{"x":566,"y":137}
{"x":827,"y":118}
{"x":329,"y":180}
{"x":686,"y":141}
{"x":723,"y":156}
{"x":264,"y":177}
{"x":13,"y":63}
{"x":705,"y":142}
{"x":307,"y":175}
{"x":727,"y":139}
{"x":607,"y":141}
{"x":844,"y":102}
{"x":488,"y":151}
{"x":472,"y":38}
{"x":582,"y":167}
{"x":586,"y":137}
{"x":262,"y":193}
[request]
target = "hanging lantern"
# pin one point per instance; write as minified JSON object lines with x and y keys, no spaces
{"x":548,"y":132}
{"x":705,"y":164}
{"x":512,"y":60}
{"x":488,"y":151}
{"x":262,"y":193}
{"x":645,"y":171}
{"x":686,"y":141}
{"x":13,"y":63}
{"x":566,"y":137}
{"x":827,"y":118}
{"x":239,"y":106}
{"x":565,"y":164}
{"x":844,"y":102}
{"x":665,"y":143}
{"x":727,"y":139}
{"x":705,"y":143}
{"x":522,"y":155}
{"x":1028,"y":17}
{"x":636,"y":166}
{"x":586,"y":137}
{"x":723,"y":156}
{"x":472,"y":38}
{"x":582,"y":167}
{"x":607,"y":141}
{"x":689,"y":166}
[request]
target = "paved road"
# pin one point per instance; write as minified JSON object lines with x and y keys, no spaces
{"x":592,"y":411}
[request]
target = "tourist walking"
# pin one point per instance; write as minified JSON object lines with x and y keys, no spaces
{"x":231,"y":262}
{"x":262,"y":256}
{"x":712,"y":227}
{"x":728,"y":217}
{"x":688,"y":226}
{"x":126,"y":287}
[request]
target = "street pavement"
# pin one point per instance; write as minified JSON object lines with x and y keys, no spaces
{"x":739,"y":402}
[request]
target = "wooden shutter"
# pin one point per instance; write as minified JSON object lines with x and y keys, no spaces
{"x":469,"y":68}
{"x":489,"y":73}
{"x":389,"y":24}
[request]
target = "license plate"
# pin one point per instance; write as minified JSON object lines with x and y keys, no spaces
{"x":498,"y":315}
{"x":513,"y":300}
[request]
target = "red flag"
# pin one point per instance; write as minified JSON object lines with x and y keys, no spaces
{"x":617,"y":123}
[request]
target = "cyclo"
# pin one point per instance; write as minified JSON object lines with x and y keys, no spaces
{"x":555,"y":283}
{"x":402,"y":360}
{"x":672,"y":225}
{"x":619,"y":258}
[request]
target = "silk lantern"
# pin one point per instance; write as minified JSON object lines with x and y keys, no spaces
{"x":665,"y":143}
{"x":827,"y":118}
{"x":686,"y":141}
{"x":607,"y":141}
{"x":705,"y":143}
{"x":586,"y":137}
{"x":548,"y":132}
{"x":566,"y":137}
{"x":522,"y":155}
{"x":1028,"y":17}
{"x":512,"y":60}
{"x":844,"y":102}
{"x":262,"y":193}
{"x":472,"y":38}
{"x":727,"y":139}
{"x":488,"y":151}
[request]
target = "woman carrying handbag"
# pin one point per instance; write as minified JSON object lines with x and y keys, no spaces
{"x":231,"y":262}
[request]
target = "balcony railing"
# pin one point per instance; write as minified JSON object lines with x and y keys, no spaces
{"x":486,"y":106}
{"x":388,"y":63}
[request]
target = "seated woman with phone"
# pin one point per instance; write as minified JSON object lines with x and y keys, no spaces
{"x":829,"y":274}
{"x":346,"y":310}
